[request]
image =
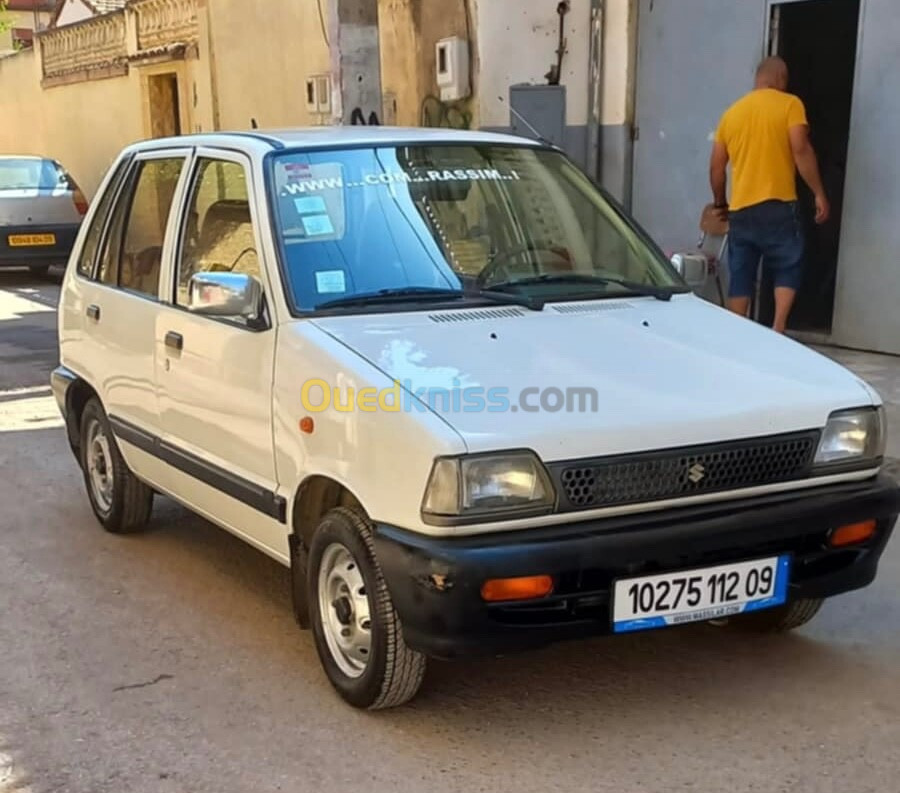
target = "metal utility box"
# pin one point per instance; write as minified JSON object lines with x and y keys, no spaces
{"x":543,"y":106}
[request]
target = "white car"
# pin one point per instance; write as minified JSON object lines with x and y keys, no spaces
{"x":453,"y":387}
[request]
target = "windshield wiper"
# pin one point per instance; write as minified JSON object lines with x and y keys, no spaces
{"x":414,"y":294}
{"x":648,"y":290}
{"x":406,"y":294}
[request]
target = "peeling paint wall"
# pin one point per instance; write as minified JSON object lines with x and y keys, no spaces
{"x":355,"y":64}
{"x":408,"y":32}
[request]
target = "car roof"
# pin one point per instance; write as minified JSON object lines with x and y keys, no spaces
{"x":25,"y":157}
{"x":340,"y":136}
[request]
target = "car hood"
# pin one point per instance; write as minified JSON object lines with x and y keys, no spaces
{"x":665,"y":374}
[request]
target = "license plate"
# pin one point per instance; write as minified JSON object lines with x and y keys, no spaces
{"x":708,"y":593}
{"x":22,"y":240}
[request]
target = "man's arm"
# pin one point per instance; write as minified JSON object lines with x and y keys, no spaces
{"x":718,"y":179}
{"x":808,"y":166}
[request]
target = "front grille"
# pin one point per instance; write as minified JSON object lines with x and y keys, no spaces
{"x":688,"y":471}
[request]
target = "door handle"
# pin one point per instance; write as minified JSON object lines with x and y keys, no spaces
{"x":174,"y":340}
{"x":93,"y":312}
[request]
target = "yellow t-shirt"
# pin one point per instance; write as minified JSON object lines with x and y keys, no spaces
{"x":755,"y":133}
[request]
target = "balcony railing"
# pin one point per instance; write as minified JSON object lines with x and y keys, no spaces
{"x":164,"y":22}
{"x":92,"y":44}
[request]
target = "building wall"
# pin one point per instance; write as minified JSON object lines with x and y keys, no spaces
{"x":682,"y":92}
{"x":516,"y":43}
{"x":70,"y":123}
{"x":240,"y":72}
{"x":18,"y":19}
{"x":868,"y":281}
{"x":262,"y":52}
{"x":408,"y":33}
{"x":616,"y":101}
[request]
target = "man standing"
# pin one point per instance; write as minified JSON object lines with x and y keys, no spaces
{"x":765,"y":136}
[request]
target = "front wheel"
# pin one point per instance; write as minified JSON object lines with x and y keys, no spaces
{"x":356,"y":629}
{"x":781,"y":618}
{"x":121,"y":502}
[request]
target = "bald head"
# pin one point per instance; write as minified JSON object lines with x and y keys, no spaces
{"x":772,"y":73}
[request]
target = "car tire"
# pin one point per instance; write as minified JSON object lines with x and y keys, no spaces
{"x":121,"y":502}
{"x":357,"y":633}
{"x":39,"y":270}
{"x":781,"y":618}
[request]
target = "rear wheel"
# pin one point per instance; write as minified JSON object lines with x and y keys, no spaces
{"x":781,"y":618}
{"x":121,"y":502}
{"x":357,"y":632}
{"x":39,"y":270}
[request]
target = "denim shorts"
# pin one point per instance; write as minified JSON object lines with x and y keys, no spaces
{"x":770,"y":231}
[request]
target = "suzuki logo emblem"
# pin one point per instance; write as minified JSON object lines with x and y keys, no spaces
{"x":696,"y":472}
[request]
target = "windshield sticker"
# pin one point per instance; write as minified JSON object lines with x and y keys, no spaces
{"x":317,"y":225}
{"x":330,"y":281}
{"x":310,"y":206}
{"x":301,"y":181}
{"x":310,"y":218}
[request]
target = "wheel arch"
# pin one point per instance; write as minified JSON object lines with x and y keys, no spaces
{"x":77,"y":396}
{"x":316,"y":495}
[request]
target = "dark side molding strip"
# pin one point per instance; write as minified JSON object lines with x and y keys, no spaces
{"x":249,"y":493}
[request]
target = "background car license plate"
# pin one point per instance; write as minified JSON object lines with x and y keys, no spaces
{"x":707,"y":593}
{"x":16,"y":240}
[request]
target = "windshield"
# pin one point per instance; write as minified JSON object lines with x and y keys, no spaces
{"x":470,"y":218}
{"x":30,"y":173}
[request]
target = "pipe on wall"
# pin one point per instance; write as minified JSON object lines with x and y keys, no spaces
{"x":595,"y":89}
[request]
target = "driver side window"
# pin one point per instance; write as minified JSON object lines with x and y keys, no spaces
{"x":218,"y":232}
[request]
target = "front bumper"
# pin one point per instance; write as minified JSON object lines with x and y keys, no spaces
{"x":435,"y":583}
{"x":38,"y":255}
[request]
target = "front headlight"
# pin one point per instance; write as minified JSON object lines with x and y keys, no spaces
{"x":852,"y":436}
{"x":487,"y":485}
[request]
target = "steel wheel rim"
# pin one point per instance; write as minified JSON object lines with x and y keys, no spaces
{"x":100,"y":466}
{"x":344,"y":610}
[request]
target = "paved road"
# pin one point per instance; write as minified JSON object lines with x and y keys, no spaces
{"x":169,"y":661}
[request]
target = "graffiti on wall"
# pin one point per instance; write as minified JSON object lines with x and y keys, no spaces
{"x":358,"y":118}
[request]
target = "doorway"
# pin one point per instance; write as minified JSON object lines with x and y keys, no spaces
{"x":165,"y":115}
{"x":817,"y":39}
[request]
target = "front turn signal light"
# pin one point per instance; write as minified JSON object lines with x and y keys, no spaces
{"x":851,"y":534}
{"x":523,"y":588}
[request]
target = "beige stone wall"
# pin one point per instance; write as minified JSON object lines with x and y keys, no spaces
{"x":262,"y":53}
{"x":83,"y":124}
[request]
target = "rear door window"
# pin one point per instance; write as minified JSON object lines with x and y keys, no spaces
{"x":132,"y":255}
{"x":88,"y":255}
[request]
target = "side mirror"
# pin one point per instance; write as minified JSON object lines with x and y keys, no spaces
{"x":692,"y":267}
{"x":220,"y":294}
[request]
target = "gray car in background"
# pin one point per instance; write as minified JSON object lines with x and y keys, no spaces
{"x":41,"y":208}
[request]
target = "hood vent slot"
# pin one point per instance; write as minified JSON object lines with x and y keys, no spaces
{"x":590,"y":308}
{"x":476,"y":316}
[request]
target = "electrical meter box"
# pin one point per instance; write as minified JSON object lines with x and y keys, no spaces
{"x":452,"y":62}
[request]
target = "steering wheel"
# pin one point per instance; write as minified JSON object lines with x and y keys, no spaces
{"x":498,"y":260}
